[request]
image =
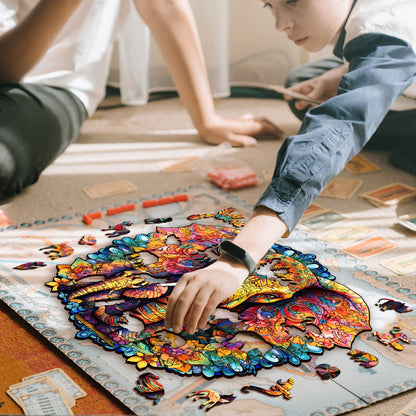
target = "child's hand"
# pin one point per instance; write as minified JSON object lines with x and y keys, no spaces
{"x":197,"y":294}
{"x":321,"y":88}
{"x":239,"y":132}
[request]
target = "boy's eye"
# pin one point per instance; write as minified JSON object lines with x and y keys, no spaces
{"x":291,"y":1}
{"x":266,"y":5}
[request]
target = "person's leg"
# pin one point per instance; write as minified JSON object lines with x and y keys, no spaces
{"x":37,"y":123}
{"x":397,"y":133}
{"x":306,"y":72}
{"x":396,"y":128}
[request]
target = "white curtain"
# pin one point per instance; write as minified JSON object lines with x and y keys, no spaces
{"x":240,"y":43}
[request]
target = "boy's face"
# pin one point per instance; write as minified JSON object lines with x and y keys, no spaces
{"x":312,"y":24}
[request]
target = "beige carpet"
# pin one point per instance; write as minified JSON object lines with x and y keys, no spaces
{"x":131,"y":143}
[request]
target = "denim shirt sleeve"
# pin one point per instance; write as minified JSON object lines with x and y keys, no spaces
{"x":381,"y":67}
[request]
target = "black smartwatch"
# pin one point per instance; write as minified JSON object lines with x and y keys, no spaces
{"x":237,"y":253}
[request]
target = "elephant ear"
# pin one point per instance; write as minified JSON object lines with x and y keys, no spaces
{"x":289,"y":277}
{"x":336,"y":311}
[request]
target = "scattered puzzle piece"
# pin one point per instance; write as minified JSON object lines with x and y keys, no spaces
{"x":365,"y":359}
{"x":118,"y":229}
{"x":227,"y":215}
{"x":158,"y":220}
{"x":393,"y":340}
{"x":30,"y":266}
{"x":387,"y":304}
{"x":56,"y":251}
{"x":213,"y":398}
{"x":87,"y":240}
{"x":149,"y":387}
{"x":281,"y":388}
{"x":326,"y":371}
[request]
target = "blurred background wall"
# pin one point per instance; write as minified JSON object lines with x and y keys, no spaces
{"x":240,"y":43}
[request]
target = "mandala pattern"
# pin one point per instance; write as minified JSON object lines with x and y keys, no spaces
{"x":291,"y":302}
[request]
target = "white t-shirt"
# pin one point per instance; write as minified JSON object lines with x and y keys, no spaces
{"x":79,"y":59}
{"x":391,"y":17}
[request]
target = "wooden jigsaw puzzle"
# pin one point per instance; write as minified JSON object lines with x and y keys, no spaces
{"x":288,"y":319}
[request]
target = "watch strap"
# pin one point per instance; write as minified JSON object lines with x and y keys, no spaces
{"x":234,"y":251}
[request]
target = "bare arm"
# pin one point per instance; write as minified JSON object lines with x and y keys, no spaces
{"x":197,"y":294}
{"x":173,"y":28}
{"x":24,"y":45}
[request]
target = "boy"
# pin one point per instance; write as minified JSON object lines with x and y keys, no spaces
{"x":397,"y":132}
{"x":54,"y":62}
{"x":377,"y":39}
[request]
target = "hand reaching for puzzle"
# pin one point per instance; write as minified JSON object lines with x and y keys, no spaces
{"x":197,"y":294}
{"x":239,"y":132}
{"x":321,"y":88}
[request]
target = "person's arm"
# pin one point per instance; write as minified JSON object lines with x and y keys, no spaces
{"x":320,"y":88}
{"x":197,"y":294}
{"x":173,"y":28}
{"x":24,"y":45}
{"x":381,"y":67}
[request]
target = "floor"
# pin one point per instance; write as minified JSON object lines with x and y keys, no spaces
{"x":135,"y":144}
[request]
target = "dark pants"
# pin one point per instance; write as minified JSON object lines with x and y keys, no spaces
{"x":37,"y":123}
{"x":397,"y":132}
